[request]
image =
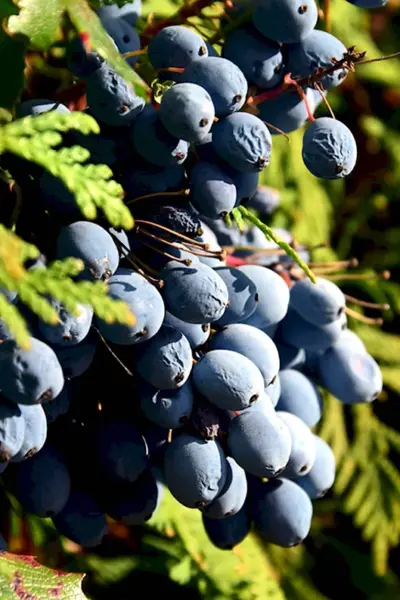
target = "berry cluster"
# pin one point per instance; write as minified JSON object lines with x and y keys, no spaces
{"x":214,"y":390}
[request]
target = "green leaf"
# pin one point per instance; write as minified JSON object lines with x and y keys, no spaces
{"x":39,"y":21}
{"x":12,"y":69}
{"x":244,"y":572}
{"x":23,"y":577}
{"x":7,"y":8}
{"x":86,"y":21}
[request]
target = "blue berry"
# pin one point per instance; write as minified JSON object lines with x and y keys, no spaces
{"x":228,"y":379}
{"x":187,"y":111}
{"x":322,"y":475}
{"x":243,"y":295}
{"x":296,"y":331}
{"x":222,"y":79}
{"x":303,"y":449}
{"x":252,"y":343}
{"x":165,"y":361}
{"x":233,"y":495}
{"x":124,"y":35}
{"x":300,"y":396}
{"x":195,"y":294}
{"x":213,"y":191}
{"x":196,"y":334}
{"x":29,"y":376}
{"x":282,"y":512}
{"x":176,"y":46}
{"x":260,"y":59}
{"x":316,"y":51}
{"x":42,"y":483}
{"x":121,"y":450}
{"x":227,"y":533}
{"x":145,"y":302}
{"x":167,"y":408}
{"x":38,"y":106}
{"x":329,"y":149}
{"x":350,"y":375}
{"x":195,"y":470}
{"x":134,"y":504}
{"x":12,"y":430}
{"x":82,"y":520}
{"x":71,"y":329}
{"x":266,"y":200}
{"x":273,"y":295}
{"x":243,"y":141}
{"x":260,"y":444}
{"x":111,"y":99}
{"x":288,"y":111}
{"x":154,"y":143}
{"x":291,"y":357}
{"x":285,"y":21}
{"x":319,"y":303}
{"x":93,"y":245}
{"x":75,"y":360}
{"x":35,"y":432}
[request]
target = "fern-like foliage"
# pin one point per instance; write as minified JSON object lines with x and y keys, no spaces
{"x":35,"y":138}
{"x":368,"y":482}
{"x":35,"y":285}
{"x":244,"y":573}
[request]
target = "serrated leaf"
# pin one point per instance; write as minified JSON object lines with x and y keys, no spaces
{"x":12,"y":69}
{"x":39,"y":21}
{"x":24,"y":577}
{"x":86,"y":21}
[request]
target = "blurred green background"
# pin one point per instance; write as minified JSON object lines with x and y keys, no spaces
{"x":353,"y":546}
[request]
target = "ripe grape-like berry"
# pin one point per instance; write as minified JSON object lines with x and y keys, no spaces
{"x":12,"y":430}
{"x":329,"y":149}
{"x":228,"y":379}
{"x":195,"y":470}
{"x":252,"y":343}
{"x":285,"y":21}
{"x":282,"y":511}
{"x":303,"y":450}
{"x":165,"y":361}
{"x":187,"y":111}
{"x":213,"y":192}
{"x":176,"y":46}
{"x":29,"y":376}
{"x":322,"y":475}
{"x":350,"y":375}
{"x":145,"y":302}
{"x":243,"y":141}
{"x":260,"y":444}
{"x":227,"y":533}
{"x":82,"y":520}
{"x":319,"y":303}
{"x":35,"y":432}
{"x":92,"y":244}
{"x":71,"y":329}
{"x":300,"y":396}
{"x":124,"y":35}
{"x":233,"y":495}
{"x":316,"y":51}
{"x":167,"y":408}
{"x":222,"y":79}
{"x":260,"y":59}
{"x":196,"y":294}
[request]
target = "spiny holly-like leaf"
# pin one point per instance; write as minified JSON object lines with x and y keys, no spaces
{"x":244,"y":572}
{"x":39,"y":21}
{"x":87,"y":22}
{"x":12,"y":69}
{"x":34,"y":138}
{"x":22,"y":577}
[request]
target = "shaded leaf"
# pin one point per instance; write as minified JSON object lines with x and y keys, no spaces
{"x":12,"y":69}
{"x":86,"y":21}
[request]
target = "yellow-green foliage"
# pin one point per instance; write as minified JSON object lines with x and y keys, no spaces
{"x":34,"y":139}
{"x":54,"y":280}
